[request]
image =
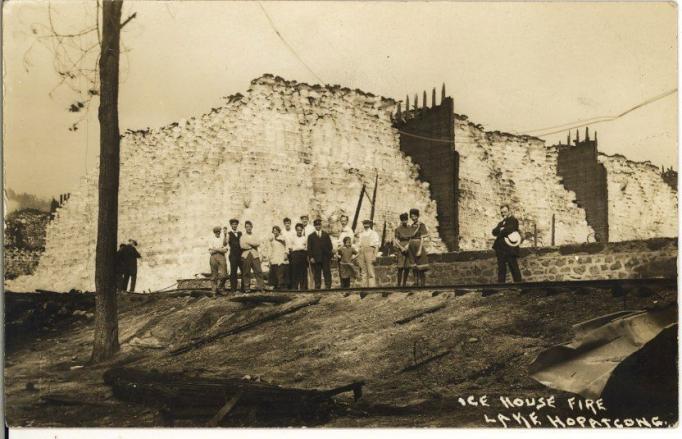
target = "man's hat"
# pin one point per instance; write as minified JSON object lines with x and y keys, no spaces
{"x":367,"y":222}
{"x":304,"y":216}
{"x":234,"y":221}
{"x":317,"y":222}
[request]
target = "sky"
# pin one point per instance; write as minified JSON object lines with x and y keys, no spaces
{"x":514,"y":67}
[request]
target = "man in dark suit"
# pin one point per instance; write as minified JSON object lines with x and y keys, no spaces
{"x":129,"y":256}
{"x":233,"y":238}
{"x":507,"y":255}
{"x":320,"y":252}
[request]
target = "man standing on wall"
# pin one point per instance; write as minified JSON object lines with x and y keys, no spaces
{"x":369,"y":242}
{"x":320,"y":252}
{"x":233,"y":238}
{"x":251,"y":258}
{"x":346,"y":231}
{"x":288,"y":234}
{"x":307,"y":230}
{"x":506,"y":245}
{"x":217,"y":250}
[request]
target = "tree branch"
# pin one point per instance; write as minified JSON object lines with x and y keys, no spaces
{"x":128,"y":19}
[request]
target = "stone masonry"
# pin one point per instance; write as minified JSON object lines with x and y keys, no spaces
{"x":640,"y":203}
{"x":499,"y":168}
{"x":284,"y":149}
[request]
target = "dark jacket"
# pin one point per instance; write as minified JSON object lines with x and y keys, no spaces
{"x":320,"y":248}
{"x":127,"y":258}
{"x":233,"y":242}
{"x":503,"y":229}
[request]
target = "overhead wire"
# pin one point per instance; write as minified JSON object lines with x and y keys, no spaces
{"x":540,"y":131}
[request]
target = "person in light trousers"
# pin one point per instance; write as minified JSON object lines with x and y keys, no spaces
{"x":368,"y":243}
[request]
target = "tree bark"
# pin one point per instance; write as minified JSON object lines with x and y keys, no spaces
{"x":106,"y":310}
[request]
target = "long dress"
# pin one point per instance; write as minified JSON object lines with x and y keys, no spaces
{"x":347,"y":269}
{"x":419,"y":262}
{"x":402,"y":236}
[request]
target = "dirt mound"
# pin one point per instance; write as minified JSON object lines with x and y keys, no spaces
{"x":461,"y":345}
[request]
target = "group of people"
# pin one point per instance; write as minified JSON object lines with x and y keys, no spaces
{"x":303,"y":254}
{"x":126,"y":265}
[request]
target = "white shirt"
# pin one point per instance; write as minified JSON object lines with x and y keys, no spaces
{"x":308,"y":230}
{"x":369,"y":238}
{"x":277,"y":250}
{"x":299,"y":243}
{"x":216,"y":243}
{"x":346,"y":231}
{"x":249,"y":244}
{"x":288,"y":235}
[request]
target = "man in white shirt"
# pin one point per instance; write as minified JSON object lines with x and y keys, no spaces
{"x":369,"y":242}
{"x":307,"y":227}
{"x":217,"y":248}
{"x":345,"y":231}
{"x":299,"y":259}
{"x":278,"y":254}
{"x":288,"y":233}
{"x":251,"y":259}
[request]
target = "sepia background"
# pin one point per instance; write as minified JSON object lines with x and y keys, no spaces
{"x":515,"y":67}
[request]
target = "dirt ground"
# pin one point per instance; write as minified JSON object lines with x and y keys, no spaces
{"x":487,"y":342}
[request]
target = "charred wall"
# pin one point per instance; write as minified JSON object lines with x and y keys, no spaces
{"x":581,"y":172}
{"x":427,"y":135}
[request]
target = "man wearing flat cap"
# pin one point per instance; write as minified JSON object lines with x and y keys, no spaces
{"x":320,"y":250}
{"x":217,"y":250}
{"x":233,"y":239}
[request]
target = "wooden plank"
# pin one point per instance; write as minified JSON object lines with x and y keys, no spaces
{"x":224,"y":410}
{"x":429,"y":310}
{"x":243,"y":327}
{"x":260,"y":298}
{"x":425,"y":362}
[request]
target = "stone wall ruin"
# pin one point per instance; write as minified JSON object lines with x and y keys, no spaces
{"x":283,"y":149}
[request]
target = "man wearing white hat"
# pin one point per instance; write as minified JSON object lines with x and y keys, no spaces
{"x":217,"y":247}
{"x":507,"y":242}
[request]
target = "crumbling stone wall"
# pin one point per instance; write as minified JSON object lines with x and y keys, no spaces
{"x":584,"y":175}
{"x":641,"y":204}
{"x":427,"y":136}
{"x":499,"y":168}
{"x":283,"y":149}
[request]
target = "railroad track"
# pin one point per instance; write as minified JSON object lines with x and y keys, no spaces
{"x":460,"y":289}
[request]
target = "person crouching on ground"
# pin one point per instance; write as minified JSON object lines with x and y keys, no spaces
{"x":250,"y":258}
{"x":298,"y":259}
{"x":347,"y":255}
{"x":369,"y":242}
{"x":507,"y":255}
{"x":403,"y":233}
{"x":278,"y":255}
{"x":320,"y":252}
{"x":217,"y":250}
{"x":418,"y":259}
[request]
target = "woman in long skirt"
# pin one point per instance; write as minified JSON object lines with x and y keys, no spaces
{"x":403,"y":234}
{"x":418,"y":260}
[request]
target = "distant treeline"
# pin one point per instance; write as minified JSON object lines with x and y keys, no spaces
{"x":19,"y":201}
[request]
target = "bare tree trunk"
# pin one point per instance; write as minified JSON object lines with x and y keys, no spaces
{"x":106,"y":312}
